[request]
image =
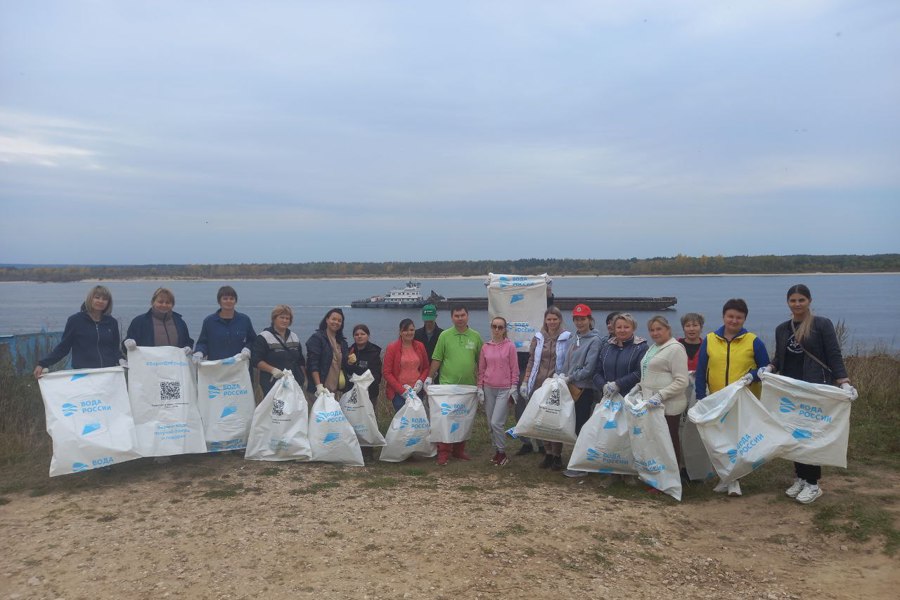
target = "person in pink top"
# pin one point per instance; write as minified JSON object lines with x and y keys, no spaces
{"x":406,"y":365}
{"x":498,"y":377}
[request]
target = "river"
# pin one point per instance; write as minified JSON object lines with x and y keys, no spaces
{"x":866,"y":303}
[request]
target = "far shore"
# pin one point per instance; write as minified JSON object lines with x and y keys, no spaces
{"x":443,"y":277}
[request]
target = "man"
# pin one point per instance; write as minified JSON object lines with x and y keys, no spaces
{"x":429,"y":332}
{"x":456,"y":355}
{"x":226,"y":332}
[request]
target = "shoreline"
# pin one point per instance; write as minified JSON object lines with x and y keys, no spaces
{"x":446,"y":277}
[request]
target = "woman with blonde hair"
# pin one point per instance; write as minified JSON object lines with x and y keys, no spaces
{"x":498,"y":374}
{"x":91,"y":335}
{"x":277,"y":349}
{"x":159,"y":326}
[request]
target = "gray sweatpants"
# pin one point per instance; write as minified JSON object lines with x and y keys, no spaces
{"x":496,"y":404}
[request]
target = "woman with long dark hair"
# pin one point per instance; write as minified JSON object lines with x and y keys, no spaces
{"x":326,"y":354}
{"x":406,"y":365}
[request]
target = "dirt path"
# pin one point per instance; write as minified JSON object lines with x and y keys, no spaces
{"x":227,"y":528}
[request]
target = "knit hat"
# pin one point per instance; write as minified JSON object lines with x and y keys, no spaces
{"x":581,"y":310}
{"x":429,"y":312}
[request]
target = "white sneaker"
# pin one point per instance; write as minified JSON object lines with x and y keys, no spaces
{"x":734,"y":488}
{"x":721,"y":487}
{"x":809,"y":494}
{"x":795,"y":488}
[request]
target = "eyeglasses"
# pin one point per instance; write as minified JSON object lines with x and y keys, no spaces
{"x":498,"y":326}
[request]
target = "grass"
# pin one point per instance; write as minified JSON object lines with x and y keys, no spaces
{"x":314,"y":488}
{"x":859,"y":519}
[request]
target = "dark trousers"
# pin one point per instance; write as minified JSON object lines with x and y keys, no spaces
{"x":583,"y":408}
{"x":810,"y":473}
{"x":674,"y":423}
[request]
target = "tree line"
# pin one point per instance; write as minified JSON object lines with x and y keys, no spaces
{"x":674,"y":265}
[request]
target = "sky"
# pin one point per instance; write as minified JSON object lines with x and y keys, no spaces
{"x":138,"y":132}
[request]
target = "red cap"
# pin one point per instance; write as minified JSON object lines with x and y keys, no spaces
{"x":581,"y":310}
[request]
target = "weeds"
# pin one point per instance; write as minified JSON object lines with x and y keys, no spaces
{"x":314,"y":488}
{"x":859,"y":519}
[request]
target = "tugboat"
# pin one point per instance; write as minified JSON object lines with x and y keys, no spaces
{"x":409,"y":296}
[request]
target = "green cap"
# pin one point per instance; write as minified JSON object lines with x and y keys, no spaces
{"x":429,"y":312}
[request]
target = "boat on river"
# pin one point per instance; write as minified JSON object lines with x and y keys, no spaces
{"x":409,"y":296}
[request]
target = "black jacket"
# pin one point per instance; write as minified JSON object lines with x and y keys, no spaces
{"x":93,"y":345}
{"x":367,"y":359}
{"x":822,"y":343}
{"x":319,"y":356}
{"x":287,"y":356}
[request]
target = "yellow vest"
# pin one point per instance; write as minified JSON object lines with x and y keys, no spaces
{"x":729,"y":361}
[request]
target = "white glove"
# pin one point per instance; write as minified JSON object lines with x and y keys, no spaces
{"x":427,"y":383}
{"x":320,"y":389}
{"x":123,"y":363}
{"x":610,"y":388}
{"x":197,"y":357}
{"x":514,"y":393}
{"x":245,"y":354}
{"x":187,"y":350}
{"x":130,"y":344}
{"x":406,"y":389}
{"x":564,"y":377}
{"x":765,"y":369}
{"x":655,"y":401}
{"x":850,"y":390}
{"x":480,"y":394}
{"x":277,"y":373}
{"x":523,"y":389}
{"x":418,"y":387}
{"x":746,"y":379}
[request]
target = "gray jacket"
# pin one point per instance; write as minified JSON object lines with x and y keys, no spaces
{"x":582,"y":358}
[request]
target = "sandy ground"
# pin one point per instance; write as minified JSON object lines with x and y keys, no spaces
{"x":221,"y":527}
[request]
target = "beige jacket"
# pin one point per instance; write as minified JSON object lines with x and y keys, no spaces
{"x":666,"y":374}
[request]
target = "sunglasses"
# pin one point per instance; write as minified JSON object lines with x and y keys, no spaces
{"x":498,"y":326}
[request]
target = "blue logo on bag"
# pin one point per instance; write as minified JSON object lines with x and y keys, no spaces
{"x":732,"y":456}
{"x":330,"y":437}
{"x":78,"y":376}
{"x":412,"y":441}
{"x":69,"y":409}
{"x":228,"y":410}
{"x":787,"y":406}
{"x":609,"y":425}
{"x":802,"y":434}
{"x":593,"y":455}
{"x":90,"y":427}
{"x":454,"y":427}
{"x":652,"y":483}
{"x":404,"y":423}
{"x":636,"y":430}
{"x":214,"y":392}
{"x":455,"y":410}
{"x":229,"y":361}
{"x":330,"y":416}
{"x":722,"y":420}
{"x":516,"y":298}
{"x":78,"y":467}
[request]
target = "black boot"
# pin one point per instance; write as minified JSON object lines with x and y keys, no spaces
{"x":556,"y":463}
{"x":525,"y":449}
{"x":547,"y":462}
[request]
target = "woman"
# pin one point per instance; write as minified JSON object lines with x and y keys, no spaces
{"x":406,"y":365}
{"x":546,"y":356}
{"x":326,"y":350}
{"x":277,"y":349}
{"x":91,"y":334}
{"x":365,"y":356}
{"x":226,"y":332}
{"x":807,"y":348}
{"x":581,"y":360}
{"x":664,"y":376}
{"x":159,"y":326}
{"x":730,"y":354}
{"x":692,"y":325}
{"x":619,"y":363}
{"x":498,"y":374}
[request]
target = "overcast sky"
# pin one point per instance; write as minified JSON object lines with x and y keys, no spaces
{"x":198,"y":132}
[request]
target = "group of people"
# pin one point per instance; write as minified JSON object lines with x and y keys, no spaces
{"x":594,"y":365}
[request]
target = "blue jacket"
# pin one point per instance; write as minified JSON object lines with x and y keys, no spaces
{"x":620,"y":364}
{"x":319,"y":356}
{"x":141,"y":330}
{"x":221,"y":338}
{"x":93,"y":345}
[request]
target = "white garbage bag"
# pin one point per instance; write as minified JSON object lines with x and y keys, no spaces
{"x":739,"y":433}
{"x":330,"y":434}
{"x":88,"y":419}
{"x":452,"y":412}
{"x":162,"y":387}
{"x":408,"y":433}
{"x":279,"y":429}
{"x":604,"y":442}
{"x":696,"y":460}
{"x":651,"y":444}
{"x":226,"y":403}
{"x":550,"y":413}
{"x":816,"y":415}
{"x":359,"y":410}
{"x":521,"y":300}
